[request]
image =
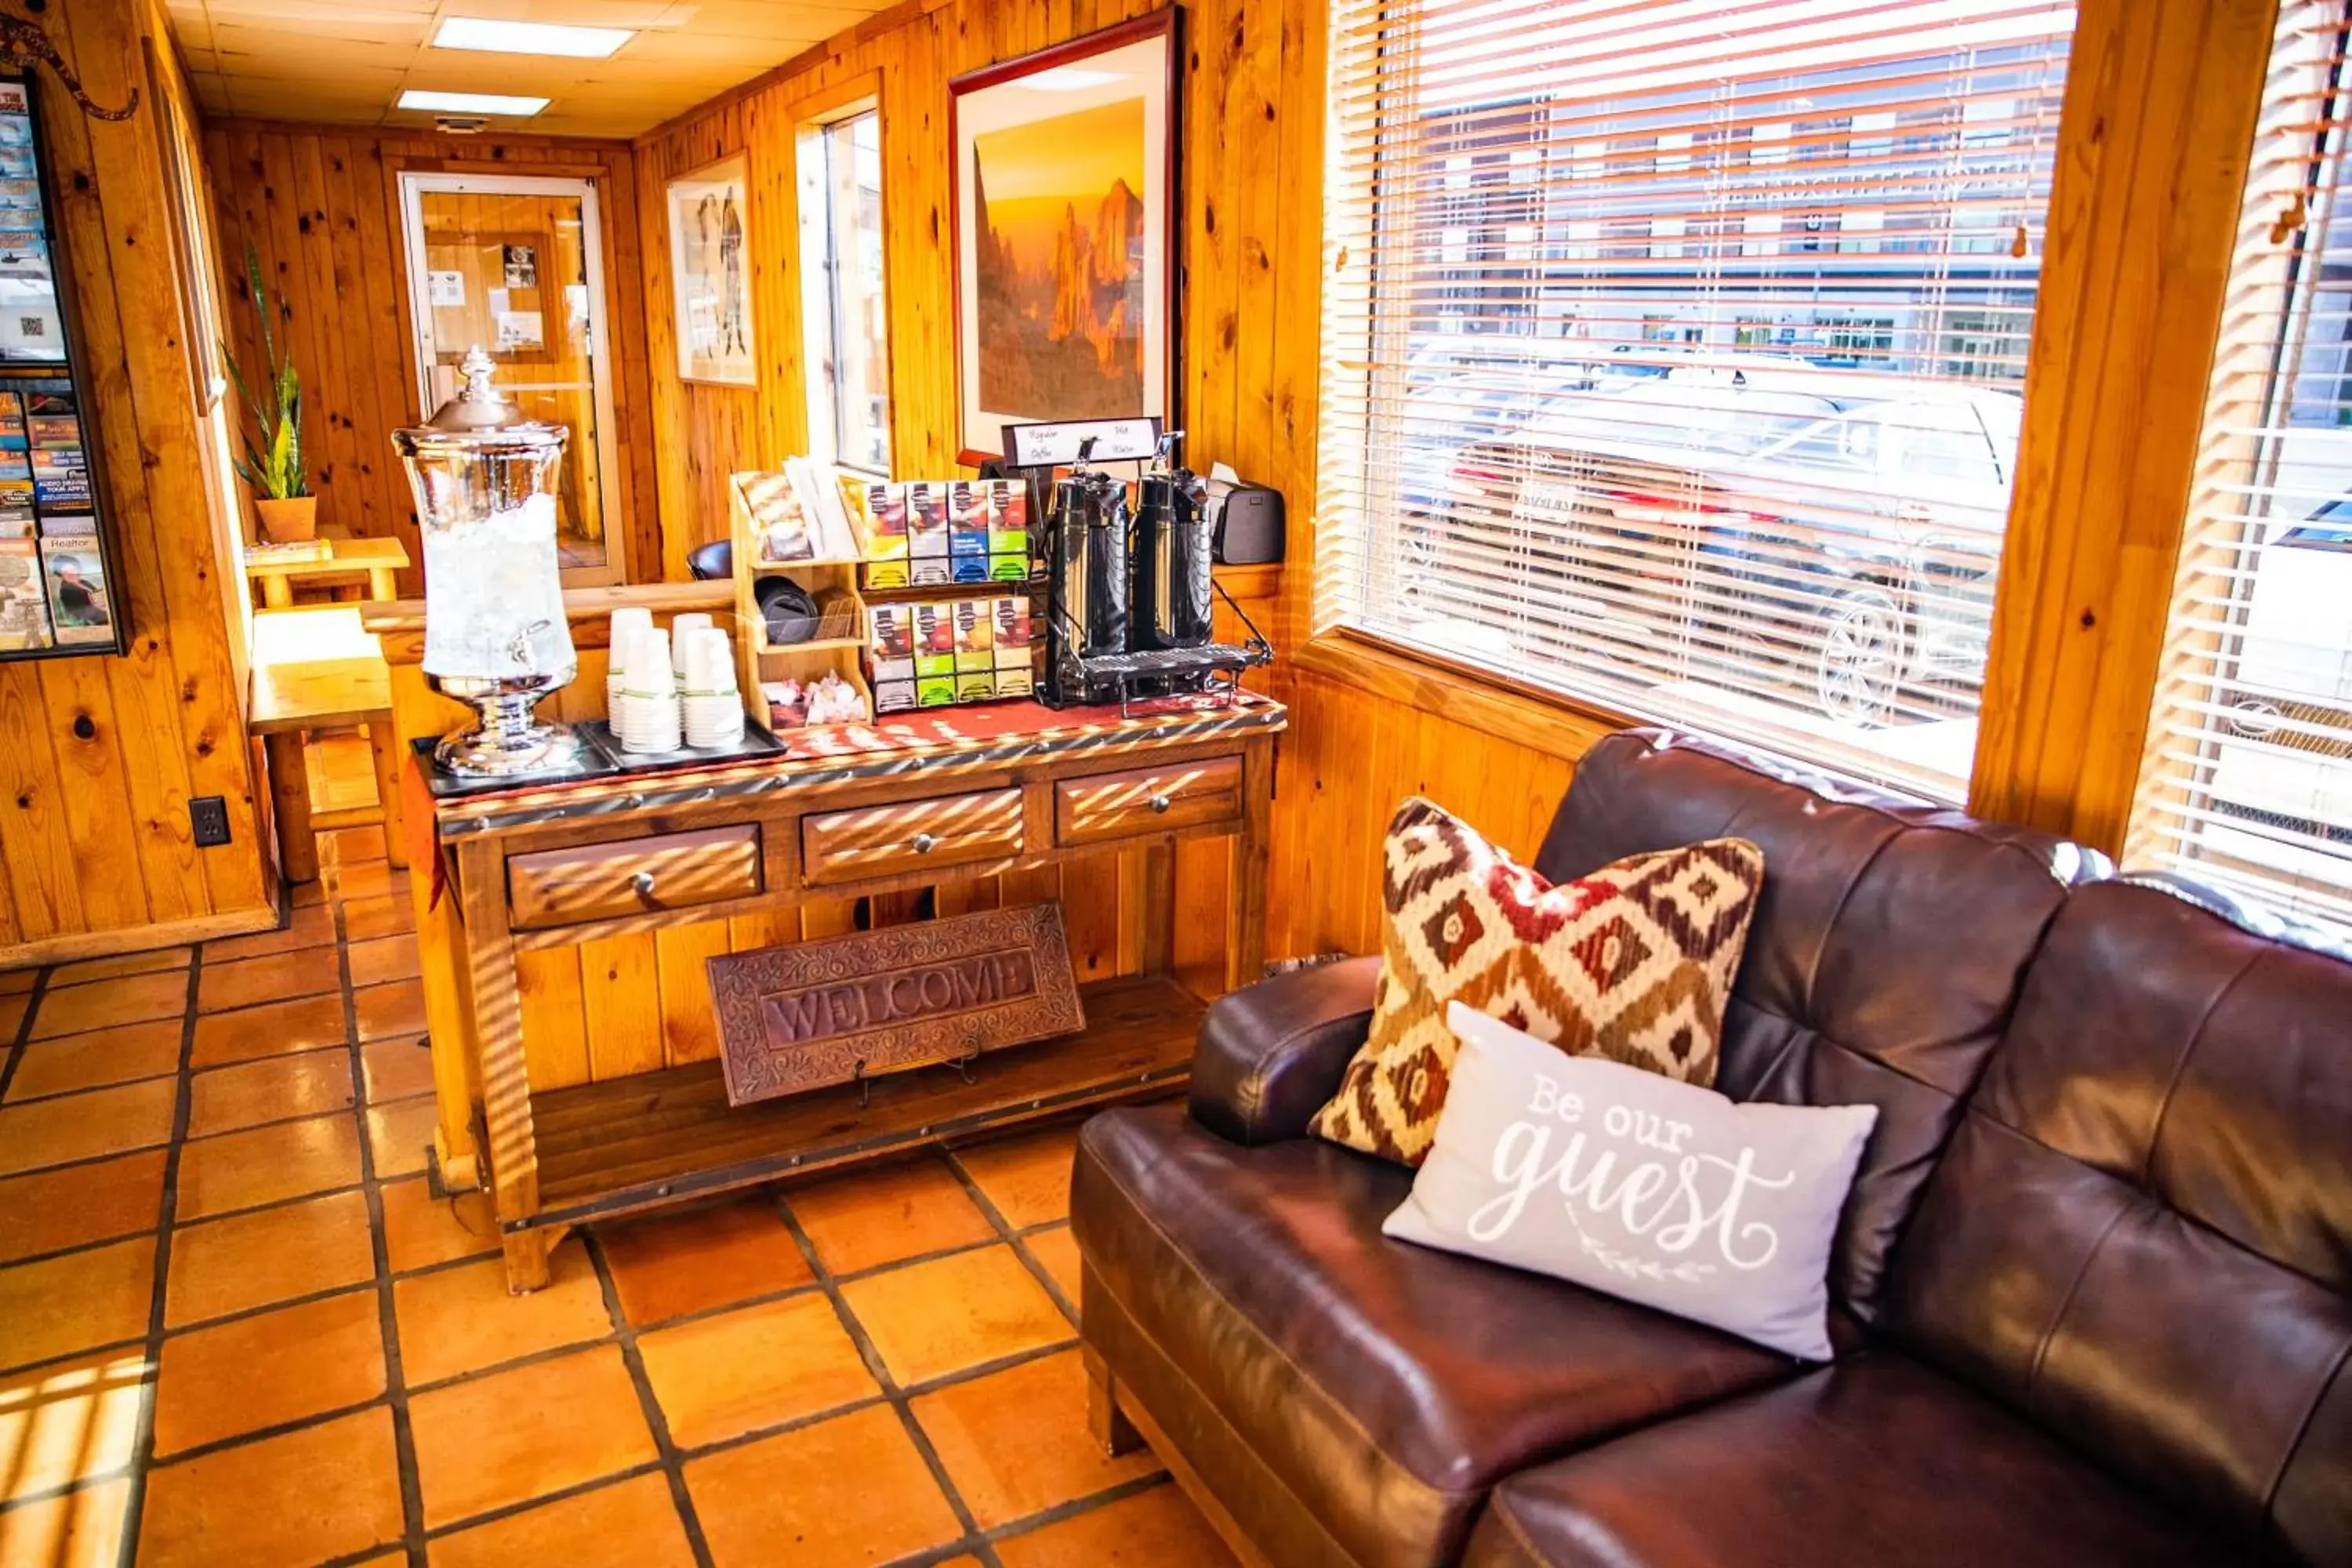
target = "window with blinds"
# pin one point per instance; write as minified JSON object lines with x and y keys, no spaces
{"x":1672,"y":351}
{"x":2247,"y":781}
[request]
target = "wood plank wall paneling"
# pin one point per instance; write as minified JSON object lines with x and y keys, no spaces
{"x":2161,"y":102}
{"x":320,"y":205}
{"x":99,"y":756}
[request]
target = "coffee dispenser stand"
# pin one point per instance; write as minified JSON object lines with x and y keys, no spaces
{"x":1093,"y":656}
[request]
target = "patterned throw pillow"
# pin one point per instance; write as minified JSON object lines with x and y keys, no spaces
{"x":1634,"y":963}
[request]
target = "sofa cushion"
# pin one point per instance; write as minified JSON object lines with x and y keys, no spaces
{"x":1384,"y":1385}
{"x":2142,"y":1235}
{"x":1884,"y":959}
{"x":1876,"y":1460}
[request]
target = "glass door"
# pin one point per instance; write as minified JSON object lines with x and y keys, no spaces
{"x":516,"y":265}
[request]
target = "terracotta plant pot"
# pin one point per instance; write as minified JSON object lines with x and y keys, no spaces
{"x":288,"y":521}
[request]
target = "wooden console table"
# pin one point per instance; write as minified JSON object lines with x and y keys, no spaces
{"x":528,"y":869}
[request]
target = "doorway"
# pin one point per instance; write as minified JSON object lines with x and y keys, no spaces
{"x":515,"y":264}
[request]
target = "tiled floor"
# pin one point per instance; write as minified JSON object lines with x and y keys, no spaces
{"x":235,"y":1328}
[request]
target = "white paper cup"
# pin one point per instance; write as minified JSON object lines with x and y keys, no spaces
{"x":681,"y":633}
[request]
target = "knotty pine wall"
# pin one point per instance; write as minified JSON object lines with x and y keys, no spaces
{"x":100,"y":755}
{"x":320,"y":205}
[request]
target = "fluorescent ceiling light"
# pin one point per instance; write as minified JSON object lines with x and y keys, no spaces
{"x":530,"y":37}
{"x":470,"y":102}
{"x":1070,"y":79}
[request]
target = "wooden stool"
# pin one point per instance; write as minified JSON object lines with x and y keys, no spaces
{"x":293,"y":698}
{"x":372,"y":562}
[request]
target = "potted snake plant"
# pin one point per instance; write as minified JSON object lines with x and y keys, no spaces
{"x":272,"y":464}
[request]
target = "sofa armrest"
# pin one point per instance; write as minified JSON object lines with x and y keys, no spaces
{"x":1271,"y":1054}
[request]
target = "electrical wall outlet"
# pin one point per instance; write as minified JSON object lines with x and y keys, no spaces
{"x":208,"y":817}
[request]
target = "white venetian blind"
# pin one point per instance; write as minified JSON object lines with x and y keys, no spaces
{"x":1672,"y":351}
{"x":2247,"y":781}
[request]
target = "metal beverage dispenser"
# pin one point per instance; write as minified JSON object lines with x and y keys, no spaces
{"x":495,"y":631}
{"x":1170,"y":556}
{"x":1087,"y":582}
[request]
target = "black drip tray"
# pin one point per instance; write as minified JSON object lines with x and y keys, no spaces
{"x":756,"y":742}
{"x":587,"y":763}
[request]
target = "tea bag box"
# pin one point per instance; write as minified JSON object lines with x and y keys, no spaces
{"x":927,"y":534}
{"x":890,"y":637}
{"x":885,"y":541}
{"x":1015,"y":676}
{"x":934,"y":654}
{"x":975,"y":649}
{"x":968,"y":503}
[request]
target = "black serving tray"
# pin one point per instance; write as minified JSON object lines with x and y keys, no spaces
{"x":757,"y":743}
{"x":588,"y":763}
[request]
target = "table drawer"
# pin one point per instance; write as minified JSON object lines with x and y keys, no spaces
{"x":912,"y":836}
{"x":1147,"y":800}
{"x":633,"y":876}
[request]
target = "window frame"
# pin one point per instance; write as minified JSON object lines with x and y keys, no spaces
{"x":820,"y":300}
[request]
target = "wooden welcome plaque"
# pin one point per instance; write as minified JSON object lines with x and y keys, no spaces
{"x":812,"y":1014}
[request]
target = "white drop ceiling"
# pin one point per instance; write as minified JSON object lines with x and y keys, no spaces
{"x":346,"y":61}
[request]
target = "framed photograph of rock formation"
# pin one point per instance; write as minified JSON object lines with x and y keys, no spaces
{"x":710,"y":274}
{"x":1065,"y":199}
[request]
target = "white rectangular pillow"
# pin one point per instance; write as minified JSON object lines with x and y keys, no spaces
{"x":1637,"y":1186}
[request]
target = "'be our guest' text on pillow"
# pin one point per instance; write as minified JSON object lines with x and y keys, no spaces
{"x":1631,"y":1183}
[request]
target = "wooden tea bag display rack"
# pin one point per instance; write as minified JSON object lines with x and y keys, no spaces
{"x":931,"y":798}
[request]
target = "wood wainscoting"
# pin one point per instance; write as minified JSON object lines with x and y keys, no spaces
{"x":320,"y":205}
{"x":99,"y":756}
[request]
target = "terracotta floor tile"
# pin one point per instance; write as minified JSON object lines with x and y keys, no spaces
{"x":272,"y":1030}
{"x":14,"y":1005}
{"x":351,"y":847}
{"x":879,"y":1216}
{"x":759,"y":1366}
{"x":48,"y":1210}
{"x":365,"y":918}
{"x":305,"y":1496}
{"x":1155,"y":1529}
{"x":399,"y":1134}
{"x":313,"y":924}
{"x":273,"y":1255}
{"x":120,"y":966}
{"x":1027,"y":1177}
{"x":420,"y":1229}
{"x":98,"y":1058}
{"x":69,"y":1420}
{"x":850,"y":1490}
{"x":1057,"y":1249}
{"x":629,"y":1524}
{"x":669,"y":1265}
{"x":1016,"y":1442}
{"x":931,"y":1319}
{"x":85,"y":1126}
{"x":462,"y":1320}
{"x":78,"y":1529}
{"x":265,"y":1165}
{"x":272,"y":1088}
{"x":385,"y":958}
{"x":491,"y":1442}
{"x":370,"y":879}
{"x":269,"y":1369}
{"x":63,"y":1306}
{"x":389,"y":1012}
{"x":274,"y":978}
{"x":16,"y":982}
{"x":395,"y":1069}
{"x":104,"y":1002}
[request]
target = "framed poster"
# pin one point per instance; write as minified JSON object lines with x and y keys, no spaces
{"x":1066,"y":232}
{"x":710,"y":276}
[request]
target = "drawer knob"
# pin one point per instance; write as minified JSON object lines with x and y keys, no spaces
{"x":925,"y":843}
{"x":1160,"y":802}
{"x":642,"y":885}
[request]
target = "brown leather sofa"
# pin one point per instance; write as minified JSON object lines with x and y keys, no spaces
{"x":2090,"y":1292}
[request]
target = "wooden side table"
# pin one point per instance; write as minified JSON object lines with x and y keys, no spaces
{"x":370,"y":560}
{"x":288,"y":701}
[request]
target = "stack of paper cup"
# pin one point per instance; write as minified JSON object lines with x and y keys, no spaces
{"x":628,"y":620}
{"x":713,"y":709}
{"x":650,"y":719}
{"x":682,"y":630}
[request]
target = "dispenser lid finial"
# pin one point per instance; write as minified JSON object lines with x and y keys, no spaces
{"x":478,"y":406}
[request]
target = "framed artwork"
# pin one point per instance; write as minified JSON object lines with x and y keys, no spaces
{"x":1066,"y":232}
{"x":710,"y":276}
